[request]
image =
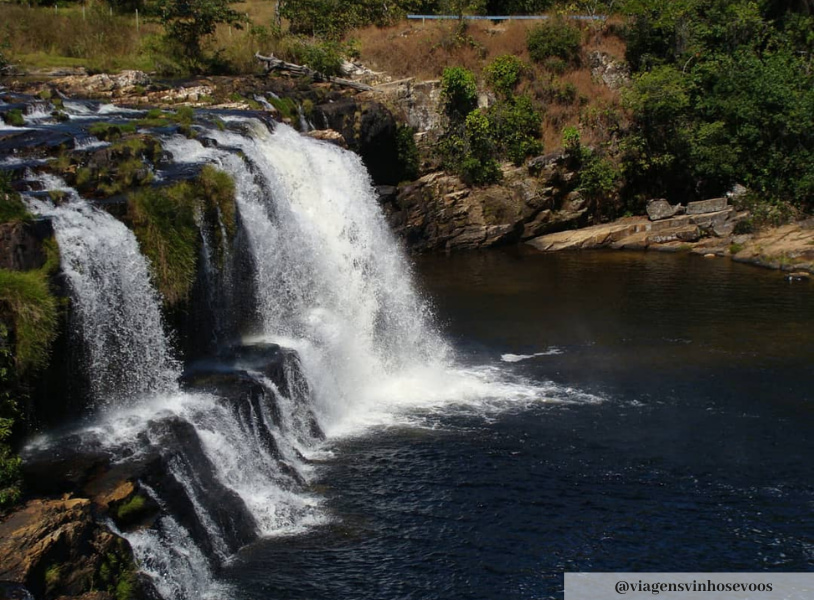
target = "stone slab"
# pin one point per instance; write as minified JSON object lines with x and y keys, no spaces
{"x":706,"y":206}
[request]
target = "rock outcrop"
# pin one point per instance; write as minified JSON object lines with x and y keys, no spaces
{"x":21,"y":244}
{"x":55,"y":549}
{"x":368,"y":129}
{"x":440,"y":212}
{"x":659,"y":229}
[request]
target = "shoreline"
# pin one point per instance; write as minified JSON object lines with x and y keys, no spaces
{"x":788,"y":248}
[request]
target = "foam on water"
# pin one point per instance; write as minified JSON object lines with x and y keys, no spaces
{"x":331,"y":282}
{"x":334,"y":284}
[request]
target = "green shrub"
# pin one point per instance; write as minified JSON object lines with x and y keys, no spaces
{"x":26,"y":297}
{"x":11,"y":206}
{"x":163,"y":220}
{"x":14,"y":117}
{"x":111,"y":131}
{"x":504,"y":74}
{"x":408,"y":157}
{"x":459,"y":92}
{"x":323,"y":57}
{"x":554,"y":38}
{"x":478,"y":165}
{"x":598,"y":176}
{"x":571,"y":140}
{"x":515,"y":127}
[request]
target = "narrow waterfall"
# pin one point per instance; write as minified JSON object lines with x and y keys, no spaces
{"x":340,"y":341}
{"x":116,"y":310}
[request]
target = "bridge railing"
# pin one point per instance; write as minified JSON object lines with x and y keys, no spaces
{"x":503,"y":17}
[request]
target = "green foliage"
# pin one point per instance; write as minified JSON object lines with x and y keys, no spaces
{"x":53,"y":575}
{"x":131,"y":508}
{"x":14,"y":117}
{"x":286,"y":106}
{"x":572,"y":141}
{"x":478,"y":165}
{"x":408,"y":158}
{"x":26,"y":297}
{"x":459,"y":92}
{"x":516,"y":128}
{"x":188,"y":22}
{"x":323,"y":57}
{"x":9,"y":463}
{"x":504,"y":74}
{"x":331,"y":19}
{"x":164,"y":222}
{"x":11,"y":206}
{"x":554,"y":38}
{"x":476,"y":139}
{"x":111,"y":131}
{"x":598,"y":176}
{"x":723,"y":95}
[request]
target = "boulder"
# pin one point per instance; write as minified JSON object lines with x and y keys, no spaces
{"x":706,"y":206}
{"x":21,"y":244}
{"x":613,"y":73}
{"x":661,"y":209}
{"x":328,"y":135}
{"x":55,"y":548}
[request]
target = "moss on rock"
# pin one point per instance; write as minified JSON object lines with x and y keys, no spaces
{"x":167,"y":222}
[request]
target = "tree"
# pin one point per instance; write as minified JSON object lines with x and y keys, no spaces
{"x":187,"y":22}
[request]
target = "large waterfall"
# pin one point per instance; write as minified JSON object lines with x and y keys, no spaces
{"x":350,"y":341}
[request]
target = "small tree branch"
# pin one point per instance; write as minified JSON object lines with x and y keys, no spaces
{"x":272,"y":63}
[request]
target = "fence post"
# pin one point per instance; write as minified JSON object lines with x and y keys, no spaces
{"x":137,"y":27}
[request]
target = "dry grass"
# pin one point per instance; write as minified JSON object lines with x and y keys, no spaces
{"x":423,"y":51}
{"x":93,"y":38}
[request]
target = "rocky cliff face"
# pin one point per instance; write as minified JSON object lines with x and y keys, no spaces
{"x":439,"y":212}
{"x":55,"y":549}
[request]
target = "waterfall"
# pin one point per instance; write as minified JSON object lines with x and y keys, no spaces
{"x":341,"y":341}
{"x":115,"y":309}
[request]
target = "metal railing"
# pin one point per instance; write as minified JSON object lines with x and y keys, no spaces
{"x":504,"y":17}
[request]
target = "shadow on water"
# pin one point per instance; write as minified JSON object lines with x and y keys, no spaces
{"x":697,"y":459}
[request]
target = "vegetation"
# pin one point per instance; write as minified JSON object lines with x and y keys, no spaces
{"x":165,"y":221}
{"x":11,"y":206}
{"x":556,"y":39}
{"x":26,"y":297}
{"x":14,"y":117}
{"x":186,"y":24}
{"x":9,"y":462}
{"x":131,"y":509}
{"x":408,"y":155}
{"x":476,"y":139}
{"x":723,"y":93}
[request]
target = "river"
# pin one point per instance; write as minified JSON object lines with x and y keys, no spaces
{"x":693,"y":452}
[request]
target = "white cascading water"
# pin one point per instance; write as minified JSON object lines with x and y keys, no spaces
{"x":331,"y":283}
{"x":116,"y":310}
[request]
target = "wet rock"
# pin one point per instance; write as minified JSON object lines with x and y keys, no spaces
{"x":63,"y":468}
{"x":14,"y":591}
{"x":369,"y":129}
{"x":661,"y":209}
{"x":184,"y":459}
{"x":55,"y":548}
{"x":21,"y":244}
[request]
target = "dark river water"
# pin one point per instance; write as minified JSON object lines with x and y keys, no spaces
{"x":699,"y":456}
